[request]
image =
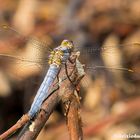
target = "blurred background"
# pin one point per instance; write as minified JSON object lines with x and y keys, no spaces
{"x":107,"y":33}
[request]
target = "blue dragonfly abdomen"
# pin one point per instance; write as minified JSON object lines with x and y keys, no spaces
{"x":43,"y":91}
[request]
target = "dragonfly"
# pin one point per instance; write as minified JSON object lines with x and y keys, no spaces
{"x":38,"y":57}
{"x":58,"y":57}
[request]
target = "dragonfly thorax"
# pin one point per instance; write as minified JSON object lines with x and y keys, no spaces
{"x":56,"y":57}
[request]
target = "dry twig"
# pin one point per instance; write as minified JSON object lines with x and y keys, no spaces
{"x":67,"y":88}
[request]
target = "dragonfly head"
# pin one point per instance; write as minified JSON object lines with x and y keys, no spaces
{"x":68,"y":44}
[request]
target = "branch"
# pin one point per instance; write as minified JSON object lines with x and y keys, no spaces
{"x":66,"y":89}
{"x":71,"y":101}
{"x":22,"y":121}
{"x":72,"y":106}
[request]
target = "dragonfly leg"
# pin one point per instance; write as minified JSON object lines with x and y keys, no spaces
{"x":68,"y":76}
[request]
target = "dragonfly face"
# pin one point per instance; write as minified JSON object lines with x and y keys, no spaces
{"x":67,"y":44}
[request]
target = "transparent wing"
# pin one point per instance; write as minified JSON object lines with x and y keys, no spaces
{"x":110,"y":57}
{"x":18,"y":67}
{"x":119,"y":63}
{"x":21,"y":55}
{"x":9,"y":38}
{"x":94,"y":60}
{"x":113,"y":55}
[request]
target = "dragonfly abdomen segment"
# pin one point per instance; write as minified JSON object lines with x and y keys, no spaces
{"x":43,"y":91}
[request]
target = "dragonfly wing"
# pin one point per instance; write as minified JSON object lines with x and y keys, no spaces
{"x":111,"y":54}
{"x":11,"y":38}
{"x":23,"y":56}
{"x":22,"y":67}
{"x":109,"y":60}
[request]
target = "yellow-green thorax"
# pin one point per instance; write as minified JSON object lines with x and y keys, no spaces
{"x":56,"y":57}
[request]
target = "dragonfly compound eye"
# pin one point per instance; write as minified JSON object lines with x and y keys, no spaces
{"x":67,"y":44}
